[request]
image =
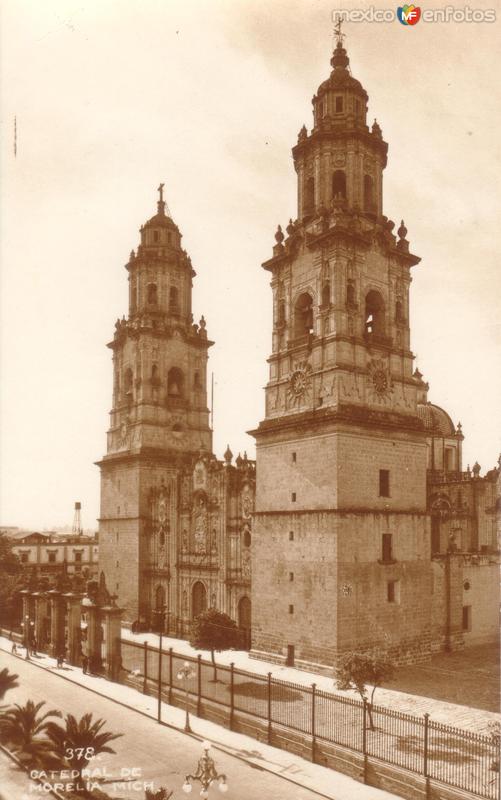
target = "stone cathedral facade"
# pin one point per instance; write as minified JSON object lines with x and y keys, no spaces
{"x":357,"y":527}
{"x":175,"y":525}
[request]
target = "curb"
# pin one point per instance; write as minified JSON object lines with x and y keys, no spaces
{"x":18,"y":763}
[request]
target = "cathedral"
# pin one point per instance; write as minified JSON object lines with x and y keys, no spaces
{"x":357,"y":526}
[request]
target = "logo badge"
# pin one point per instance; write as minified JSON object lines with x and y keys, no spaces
{"x":408,"y":15}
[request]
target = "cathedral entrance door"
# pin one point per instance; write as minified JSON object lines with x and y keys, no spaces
{"x":244,"y":621}
{"x":198,"y":599}
{"x":159,"y":613}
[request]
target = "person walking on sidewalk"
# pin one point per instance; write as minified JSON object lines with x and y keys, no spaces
{"x":85,"y":664}
{"x":14,"y":649}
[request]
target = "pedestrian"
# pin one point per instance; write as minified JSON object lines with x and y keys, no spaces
{"x":34,"y":646}
{"x":85,"y":664}
{"x":59,"y":660}
{"x":14,"y":648}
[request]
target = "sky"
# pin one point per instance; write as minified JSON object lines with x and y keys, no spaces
{"x":113,"y":97}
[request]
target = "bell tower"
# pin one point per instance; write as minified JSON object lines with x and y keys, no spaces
{"x":159,"y":419}
{"x":341,"y":536}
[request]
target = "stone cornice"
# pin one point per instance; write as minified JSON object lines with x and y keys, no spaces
{"x":319,"y":136}
{"x":339,"y":337}
{"x":341,"y":511}
{"x":309,"y":421}
{"x":169,"y":458}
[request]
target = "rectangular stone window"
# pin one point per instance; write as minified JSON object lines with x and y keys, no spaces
{"x":52,"y":557}
{"x":294,"y":458}
{"x":384,"y":482}
{"x":291,"y":576}
{"x":293,"y":497}
{"x":339,"y":105}
{"x":387,"y":548}
{"x":291,"y":609}
{"x":25,"y":557}
{"x":290,"y":656}
{"x":393,"y":591}
{"x":467,"y":618}
{"x":78,"y":556}
{"x":291,"y":536}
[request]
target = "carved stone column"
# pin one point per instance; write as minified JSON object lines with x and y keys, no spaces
{"x":39,"y":629}
{"x":111,"y":620}
{"x":57,"y":644}
{"x":73,"y":630}
{"x":91,"y":644}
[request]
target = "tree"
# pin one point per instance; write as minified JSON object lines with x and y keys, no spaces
{"x":78,"y":741}
{"x":25,"y":729}
{"x":358,"y":670}
{"x":212,"y":630}
{"x":7,"y":681}
{"x":12,"y":580}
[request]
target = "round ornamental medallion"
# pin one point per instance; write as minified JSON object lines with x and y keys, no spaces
{"x":380,"y":381}
{"x":379,"y":378}
{"x":299,"y":386}
{"x":298,"y":382}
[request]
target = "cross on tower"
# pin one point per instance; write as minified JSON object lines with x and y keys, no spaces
{"x":337,"y":31}
{"x":161,"y":192}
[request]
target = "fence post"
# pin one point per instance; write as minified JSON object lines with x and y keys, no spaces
{"x":425,"y":755}
{"x":145,"y":669}
{"x":269,"y":707}
{"x":232,"y":693}
{"x":199,"y":698}
{"x":313,"y":741}
{"x":159,"y":701}
{"x":170,"y":676}
{"x":364,"y":738}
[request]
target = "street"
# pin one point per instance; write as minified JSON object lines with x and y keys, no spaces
{"x":157,"y":753}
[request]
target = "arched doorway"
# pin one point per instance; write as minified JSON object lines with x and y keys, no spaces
{"x":244,"y":620}
{"x":198,"y":599}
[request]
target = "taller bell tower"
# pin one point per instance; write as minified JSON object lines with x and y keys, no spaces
{"x":341,"y":534}
{"x":159,"y":421}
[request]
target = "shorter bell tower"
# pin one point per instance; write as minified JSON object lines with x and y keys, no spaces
{"x":159,"y":420}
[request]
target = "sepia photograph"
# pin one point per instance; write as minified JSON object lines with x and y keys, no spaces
{"x":250,"y":354}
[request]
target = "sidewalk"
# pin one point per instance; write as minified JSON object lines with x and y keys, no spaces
{"x":465,"y":717}
{"x":325,"y":782}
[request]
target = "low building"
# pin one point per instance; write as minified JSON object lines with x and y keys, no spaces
{"x":49,"y":553}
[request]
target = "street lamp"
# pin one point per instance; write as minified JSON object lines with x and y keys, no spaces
{"x":160,"y":616}
{"x":27,"y":634}
{"x":206,"y":773}
{"x":185,"y":674}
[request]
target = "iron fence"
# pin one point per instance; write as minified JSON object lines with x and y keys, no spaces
{"x":438,"y":752}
